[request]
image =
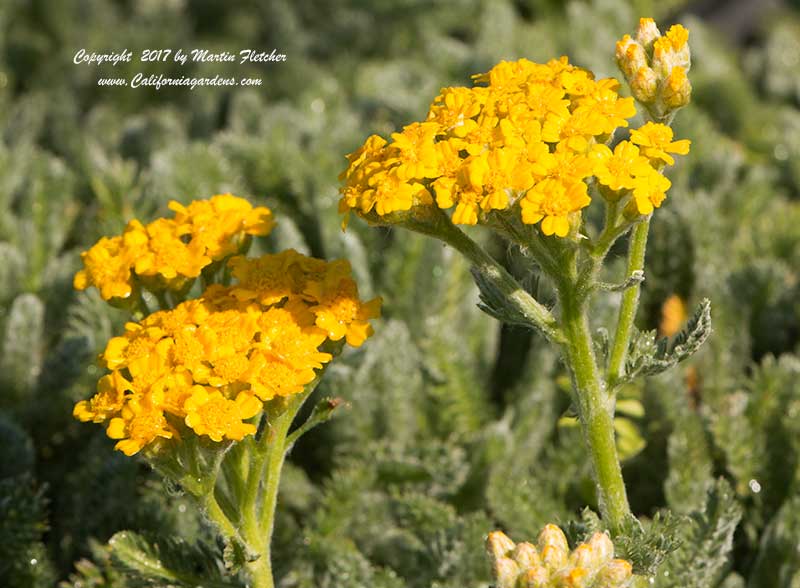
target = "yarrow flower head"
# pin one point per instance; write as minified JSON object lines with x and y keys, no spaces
{"x":525,"y":141}
{"x":207,"y":366}
{"x":550,"y":564}
{"x":168,"y":253}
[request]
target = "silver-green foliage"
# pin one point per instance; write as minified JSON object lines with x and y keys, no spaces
{"x":446,"y":437}
{"x":706,"y":543}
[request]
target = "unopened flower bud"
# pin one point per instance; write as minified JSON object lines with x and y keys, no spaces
{"x":534,"y":578}
{"x":526,"y":556}
{"x":666,"y":57}
{"x":630,"y":56}
{"x":582,"y":556}
{"x":647,"y":32}
{"x":677,"y":90}
{"x":615,"y":574}
{"x":593,"y":554}
{"x":644,"y":85}
{"x":506,"y":572}
{"x":552,"y":535}
{"x":573,"y":578}
{"x":655,"y":67}
{"x":679,"y":38}
{"x":498,"y":545}
{"x":602,"y":548}
{"x":553,"y":547}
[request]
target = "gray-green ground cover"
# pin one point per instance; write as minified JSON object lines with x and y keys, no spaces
{"x":451,"y":432}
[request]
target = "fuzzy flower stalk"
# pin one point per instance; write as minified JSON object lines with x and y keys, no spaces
{"x":524,"y":152}
{"x":207,"y":387}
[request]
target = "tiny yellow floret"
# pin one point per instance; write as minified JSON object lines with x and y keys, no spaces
{"x":210,"y":413}
{"x":656,"y":142}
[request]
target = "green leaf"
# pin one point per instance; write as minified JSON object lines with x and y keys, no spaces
{"x":16,"y":449}
{"x":12,"y":271}
{"x":22,"y":344}
{"x":22,"y":511}
{"x":495,"y":303}
{"x":636,"y":278}
{"x":384,"y":391}
{"x":648,"y":356}
{"x":337,"y":563}
{"x":236,"y":555}
{"x":322,"y":412}
{"x":524,"y":501}
{"x":579,"y":531}
{"x":193,"y":170}
{"x":647,"y":546}
{"x":438,"y":468}
{"x":95,"y":573}
{"x":707,"y":541}
{"x":166,"y":562}
{"x":778,"y":561}
{"x":690,"y":465}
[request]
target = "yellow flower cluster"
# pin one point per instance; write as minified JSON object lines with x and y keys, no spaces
{"x":210,"y":363}
{"x":656,"y":67}
{"x":549,"y":563}
{"x":526,"y":142}
{"x":635,"y":166}
{"x":167,"y":252}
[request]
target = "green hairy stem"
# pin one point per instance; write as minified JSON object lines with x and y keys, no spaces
{"x":593,"y":399}
{"x":253,"y":475}
{"x":630,"y":304}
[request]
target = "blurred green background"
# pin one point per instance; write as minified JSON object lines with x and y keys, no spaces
{"x":452,"y":429}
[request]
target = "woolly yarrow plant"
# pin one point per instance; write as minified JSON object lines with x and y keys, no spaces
{"x":207,"y":388}
{"x":524,"y":153}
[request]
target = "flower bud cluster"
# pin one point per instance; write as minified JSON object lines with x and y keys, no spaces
{"x":550,"y":564}
{"x":655,"y":67}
